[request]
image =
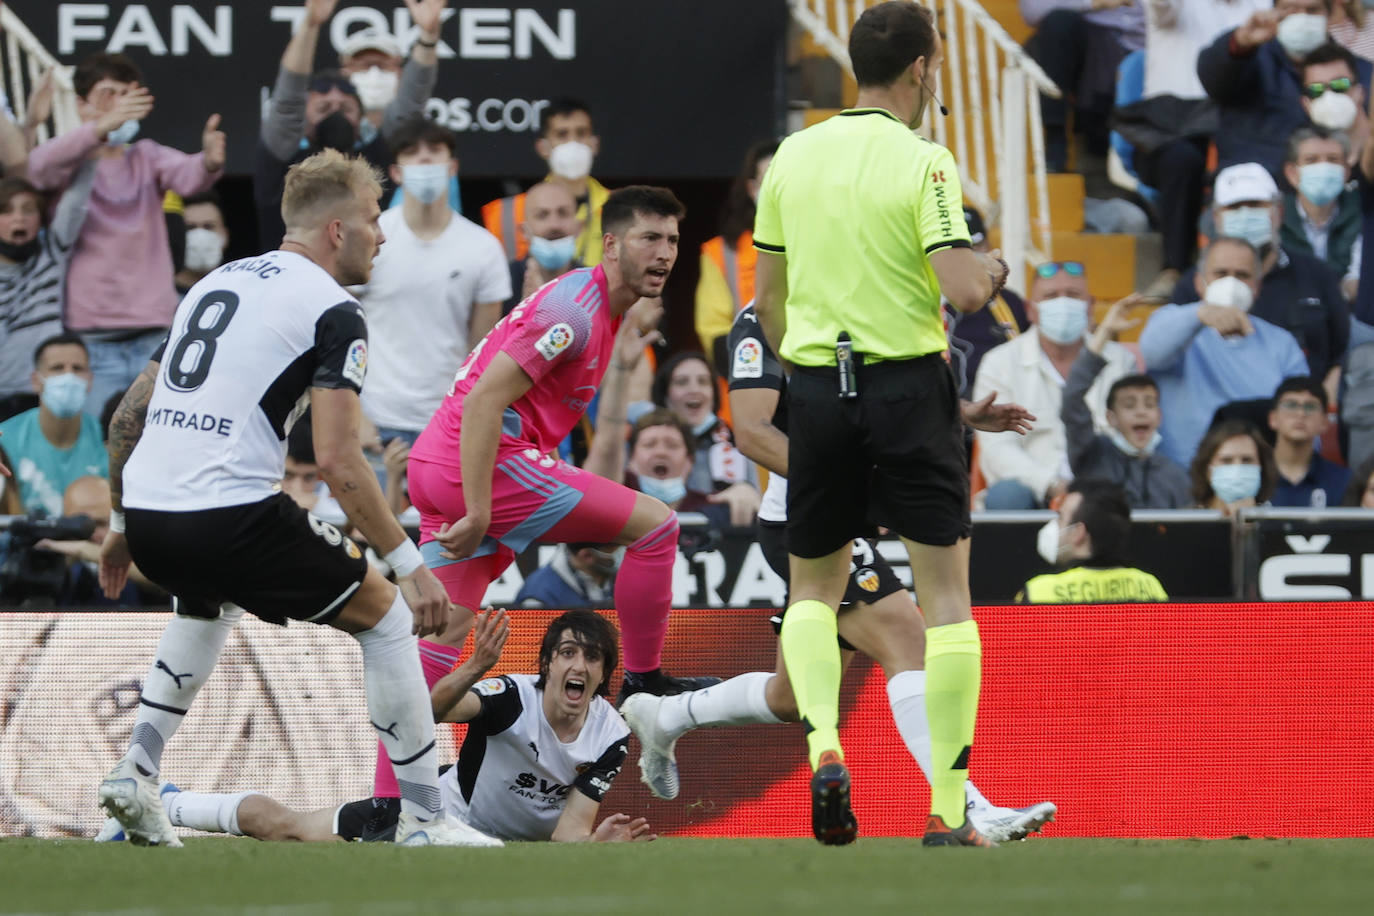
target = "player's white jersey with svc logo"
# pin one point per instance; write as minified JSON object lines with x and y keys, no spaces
{"x":513,"y":775}
{"x":246,"y":345}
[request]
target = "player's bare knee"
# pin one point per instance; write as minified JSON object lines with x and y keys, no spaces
{"x":263,"y":818}
{"x":647,"y":517}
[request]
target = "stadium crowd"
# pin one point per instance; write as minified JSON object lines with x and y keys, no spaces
{"x":1252,"y":382}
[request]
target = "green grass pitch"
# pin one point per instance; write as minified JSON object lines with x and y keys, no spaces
{"x":757,"y":877}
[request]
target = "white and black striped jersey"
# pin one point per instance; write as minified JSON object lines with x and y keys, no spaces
{"x":513,"y":775}
{"x":754,"y":365}
{"x":246,"y":345}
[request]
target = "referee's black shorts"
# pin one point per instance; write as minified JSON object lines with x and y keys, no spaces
{"x":894,"y":456}
{"x":271,"y":558}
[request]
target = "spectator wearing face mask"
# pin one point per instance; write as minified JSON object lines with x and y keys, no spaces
{"x":206,"y":239}
{"x":726,"y":283}
{"x":120,"y":293}
{"x":1252,"y":72}
{"x":569,"y":144}
{"x":686,"y":385}
{"x":1233,"y":468}
{"x":1321,"y":217}
{"x":436,"y":287}
{"x":579,"y":575}
{"x":1333,"y":97}
{"x":1215,"y":350}
{"x":1295,"y":291}
{"x":32,"y":276}
{"x":660,"y":465}
{"x":309,"y":113}
{"x":55,"y":442}
{"x":1032,"y":471}
{"x":552,"y":227}
{"x":1127,"y":453}
{"x":1089,"y":540}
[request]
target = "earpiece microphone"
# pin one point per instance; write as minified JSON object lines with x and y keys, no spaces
{"x":943,"y":110}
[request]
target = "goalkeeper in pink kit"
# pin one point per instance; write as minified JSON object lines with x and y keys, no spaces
{"x":485,"y":474}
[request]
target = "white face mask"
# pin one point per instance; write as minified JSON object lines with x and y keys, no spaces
{"x":204,"y":250}
{"x":425,"y":181}
{"x":571,"y":160}
{"x":122,"y":134}
{"x":1334,"y":110}
{"x":1231,"y":291}
{"x":376,"y":87}
{"x":1049,"y":542}
{"x":1063,"y":319}
{"x":1300,"y":33}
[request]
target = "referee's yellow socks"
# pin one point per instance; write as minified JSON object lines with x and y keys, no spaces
{"x":954,"y":657}
{"x":812,"y":654}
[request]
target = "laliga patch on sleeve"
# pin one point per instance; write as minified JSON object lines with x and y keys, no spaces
{"x":555,"y":340}
{"x":490,"y":687}
{"x":355,"y":363}
{"x":748,"y":359}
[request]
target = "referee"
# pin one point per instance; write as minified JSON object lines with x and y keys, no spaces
{"x":860,"y":228}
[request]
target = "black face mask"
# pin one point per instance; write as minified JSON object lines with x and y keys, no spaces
{"x":20,"y":252}
{"x":336,"y":132}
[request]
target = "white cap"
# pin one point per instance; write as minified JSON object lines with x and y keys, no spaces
{"x":370,"y":40}
{"x":1243,"y":183}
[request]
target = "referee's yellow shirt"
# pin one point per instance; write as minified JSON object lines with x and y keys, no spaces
{"x":1088,"y":585}
{"x":858,"y":203}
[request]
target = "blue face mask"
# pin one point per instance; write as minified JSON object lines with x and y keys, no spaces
{"x":669,"y":491}
{"x":1063,"y":319}
{"x":553,"y":254}
{"x":1124,"y":444}
{"x":64,"y":395}
{"x":123,"y":134}
{"x":426,"y":182}
{"x":1250,"y":223}
{"x":1234,"y":482}
{"x":1321,"y":182}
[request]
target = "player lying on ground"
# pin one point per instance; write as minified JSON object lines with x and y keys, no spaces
{"x":540,"y":754}
{"x":877,"y":616}
{"x":484,"y":473}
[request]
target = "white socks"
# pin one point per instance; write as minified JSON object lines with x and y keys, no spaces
{"x":398,"y":704}
{"x":186,"y":655}
{"x":906,"y":693}
{"x":742,"y":700}
{"x":212,"y":812}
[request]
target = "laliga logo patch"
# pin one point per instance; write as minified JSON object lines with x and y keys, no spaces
{"x":355,"y":363}
{"x":490,"y":687}
{"x":748,"y":359}
{"x":555,"y":340}
{"x":867,"y":580}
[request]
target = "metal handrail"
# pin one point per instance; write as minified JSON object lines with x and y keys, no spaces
{"x":25,"y":60}
{"x":993,"y":90}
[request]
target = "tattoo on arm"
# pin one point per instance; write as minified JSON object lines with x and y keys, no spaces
{"x":126,"y":426}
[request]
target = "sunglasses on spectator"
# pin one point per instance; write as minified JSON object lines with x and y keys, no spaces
{"x":1300,"y":406}
{"x":1339,"y":84}
{"x":1050,"y":268}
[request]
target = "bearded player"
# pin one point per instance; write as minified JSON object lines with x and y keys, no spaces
{"x":484,"y":473}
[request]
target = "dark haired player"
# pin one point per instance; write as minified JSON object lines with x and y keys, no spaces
{"x":540,"y":754}
{"x":485,"y":474}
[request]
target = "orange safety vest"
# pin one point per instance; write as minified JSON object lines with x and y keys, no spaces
{"x":502,"y":219}
{"x":736,"y":264}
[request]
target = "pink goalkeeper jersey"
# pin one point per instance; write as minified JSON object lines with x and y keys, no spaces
{"x":562,"y":337}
